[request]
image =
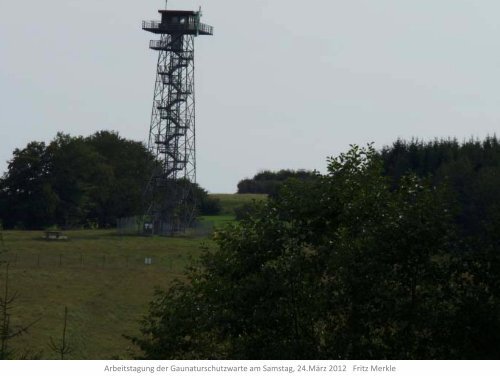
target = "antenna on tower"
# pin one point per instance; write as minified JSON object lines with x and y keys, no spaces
{"x":198,"y":20}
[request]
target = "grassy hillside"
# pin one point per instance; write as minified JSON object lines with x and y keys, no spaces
{"x":231,"y":201}
{"x":99,"y":276}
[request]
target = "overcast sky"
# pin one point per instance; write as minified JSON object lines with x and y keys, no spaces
{"x":281,"y":84}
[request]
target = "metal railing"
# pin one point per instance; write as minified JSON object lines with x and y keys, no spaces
{"x":169,"y":45}
{"x":151,"y":24}
{"x":160,"y":44}
{"x":206,"y":28}
{"x":178,"y":85}
{"x":187,"y":26}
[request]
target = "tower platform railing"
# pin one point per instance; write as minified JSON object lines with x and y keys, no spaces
{"x":186,"y":27}
{"x":151,"y":25}
{"x":168,"y":45}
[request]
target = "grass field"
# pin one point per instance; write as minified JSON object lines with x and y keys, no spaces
{"x":231,"y":201}
{"x":101,"y":277}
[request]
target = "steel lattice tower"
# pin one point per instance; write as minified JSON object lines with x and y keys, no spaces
{"x":170,"y":204}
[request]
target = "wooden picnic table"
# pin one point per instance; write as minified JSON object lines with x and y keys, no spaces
{"x":55,"y":235}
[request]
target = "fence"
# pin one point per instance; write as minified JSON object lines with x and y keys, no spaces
{"x":130,"y":225}
{"x":28,"y":260}
{"x":135,"y":226}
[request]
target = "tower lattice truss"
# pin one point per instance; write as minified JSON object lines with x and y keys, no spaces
{"x":170,"y":200}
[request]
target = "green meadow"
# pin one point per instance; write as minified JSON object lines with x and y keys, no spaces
{"x":231,"y":201}
{"x":104,"y":279}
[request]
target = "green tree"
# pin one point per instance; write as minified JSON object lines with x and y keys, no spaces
{"x":129,"y":165}
{"x":28,"y":199}
{"x":80,"y":181}
{"x":75,"y":181}
{"x":338,"y":266}
{"x":269,"y":182}
{"x":8,"y":331}
{"x":471,"y":169}
{"x":77,"y":173}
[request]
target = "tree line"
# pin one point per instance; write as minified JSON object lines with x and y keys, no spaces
{"x":470,"y":169}
{"x":75,"y":182}
{"x":268,"y":182}
{"x":391,"y":254}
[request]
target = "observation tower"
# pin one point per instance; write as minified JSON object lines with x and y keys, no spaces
{"x":169,"y":201}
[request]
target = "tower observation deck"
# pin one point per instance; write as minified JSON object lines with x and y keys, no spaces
{"x":169,"y":199}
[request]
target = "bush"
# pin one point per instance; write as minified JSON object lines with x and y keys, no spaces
{"x":209,"y":206}
{"x":245,"y":211}
{"x":269,"y":182}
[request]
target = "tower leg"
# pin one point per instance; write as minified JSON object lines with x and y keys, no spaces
{"x":169,"y":197}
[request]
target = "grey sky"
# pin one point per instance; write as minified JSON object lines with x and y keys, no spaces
{"x":281,"y":84}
